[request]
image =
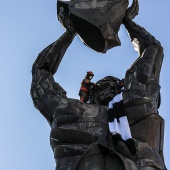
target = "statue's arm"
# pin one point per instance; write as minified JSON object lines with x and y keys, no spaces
{"x":150,"y":51}
{"x":137,"y":32}
{"x":141,"y":83}
{"x":45,"y":92}
{"x":50,"y":58}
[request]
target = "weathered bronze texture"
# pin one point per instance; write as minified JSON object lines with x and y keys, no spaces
{"x":80,"y":136}
{"x":96,"y":21}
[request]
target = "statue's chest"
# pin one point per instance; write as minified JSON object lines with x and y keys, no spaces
{"x":75,"y":111}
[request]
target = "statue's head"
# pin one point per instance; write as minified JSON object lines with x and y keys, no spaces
{"x":96,"y":21}
{"x":107,"y":89}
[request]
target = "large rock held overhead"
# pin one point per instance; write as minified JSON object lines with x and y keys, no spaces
{"x":96,"y":21}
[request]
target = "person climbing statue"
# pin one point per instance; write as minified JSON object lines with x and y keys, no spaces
{"x":86,"y":86}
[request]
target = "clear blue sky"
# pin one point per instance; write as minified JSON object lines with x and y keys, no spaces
{"x":26,"y":27}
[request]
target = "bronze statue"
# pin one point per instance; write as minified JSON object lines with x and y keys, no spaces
{"x":80,"y":136}
{"x":96,"y":21}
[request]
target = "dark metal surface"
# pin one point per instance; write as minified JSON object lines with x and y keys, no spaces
{"x":80,"y":136}
{"x":142,"y":90}
{"x":96,"y":21}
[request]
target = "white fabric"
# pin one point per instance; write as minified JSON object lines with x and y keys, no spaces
{"x":114,"y":126}
{"x":124,"y":128}
{"x":121,"y":127}
{"x":117,"y":98}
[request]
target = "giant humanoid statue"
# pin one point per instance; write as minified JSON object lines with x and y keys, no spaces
{"x":96,"y":21}
{"x":80,"y":136}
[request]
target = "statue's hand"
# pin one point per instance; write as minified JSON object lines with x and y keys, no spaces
{"x":65,"y":21}
{"x":133,"y":10}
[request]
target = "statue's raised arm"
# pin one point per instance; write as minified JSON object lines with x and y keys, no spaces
{"x":45,"y":92}
{"x":142,"y":95}
{"x":142,"y":78}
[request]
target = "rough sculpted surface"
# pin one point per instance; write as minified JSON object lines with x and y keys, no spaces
{"x":80,"y":137}
{"x":96,"y":21}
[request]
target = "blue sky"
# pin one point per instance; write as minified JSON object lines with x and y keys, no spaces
{"x":26,"y":27}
